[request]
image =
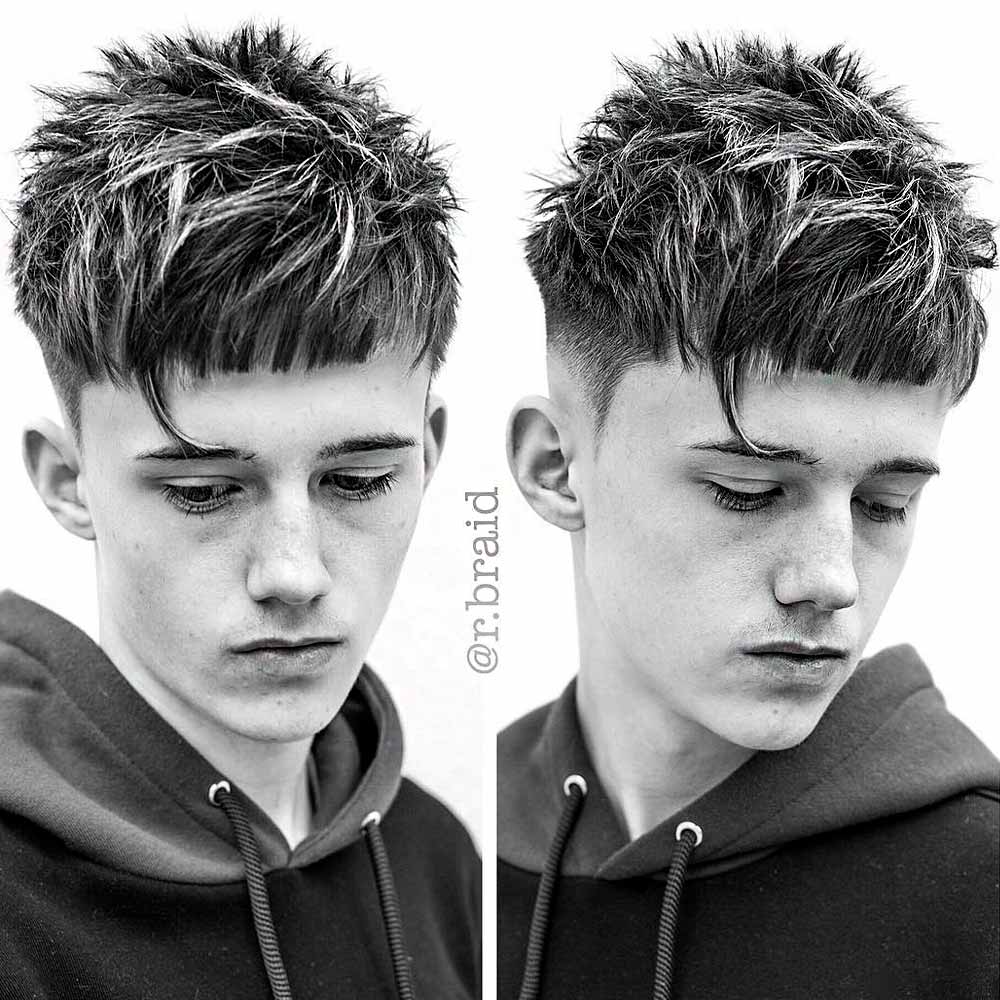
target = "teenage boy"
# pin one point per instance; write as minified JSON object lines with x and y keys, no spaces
{"x":756,"y":283}
{"x":236,"y":260}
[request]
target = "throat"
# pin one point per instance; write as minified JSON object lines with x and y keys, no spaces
{"x":287,"y":798}
{"x":293,"y":814}
{"x":655,"y":767}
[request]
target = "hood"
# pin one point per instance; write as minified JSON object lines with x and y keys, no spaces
{"x":87,"y":759}
{"x":886,"y":745}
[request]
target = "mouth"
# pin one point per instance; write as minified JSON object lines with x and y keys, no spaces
{"x":797,"y":665}
{"x":281,"y":644}
{"x":283,"y":658}
{"x":798,"y":651}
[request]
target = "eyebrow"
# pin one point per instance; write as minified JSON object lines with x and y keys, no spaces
{"x":376,"y":442}
{"x":912,"y":465}
{"x":775,"y":452}
{"x":180,"y":451}
{"x":909,"y":466}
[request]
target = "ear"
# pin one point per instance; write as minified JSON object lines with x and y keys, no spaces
{"x":435,"y":432}
{"x":539,"y":454}
{"x":53,"y":463}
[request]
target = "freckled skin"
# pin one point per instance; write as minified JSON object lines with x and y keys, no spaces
{"x":672,"y":587}
{"x":288,"y":556}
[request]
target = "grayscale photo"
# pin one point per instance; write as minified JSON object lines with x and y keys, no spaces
{"x":235,"y":255}
{"x":760,"y":274}
{"x":499,"y":502}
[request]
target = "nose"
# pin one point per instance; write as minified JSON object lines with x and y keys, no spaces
{"x":816,"y":565}
{"x":287,"y":561}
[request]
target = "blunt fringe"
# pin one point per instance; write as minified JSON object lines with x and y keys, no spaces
{"x":752,"y":211}
{"x":206,"y":206}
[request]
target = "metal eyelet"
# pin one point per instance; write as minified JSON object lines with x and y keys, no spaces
{"x":575,"y":779}
{"x":693,"y":827}
{"x":219,"y":786}
{"x":373,"y":817}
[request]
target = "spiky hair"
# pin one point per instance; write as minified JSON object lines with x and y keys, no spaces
{"x":753,"y":211}
{"x":228,"y":205}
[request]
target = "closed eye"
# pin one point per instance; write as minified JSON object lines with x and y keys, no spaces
{"x":201,"y":498}
{"x":354,"y":485}
{"x":746,"y":503}
{"x":730,"y":499}
{"x":881,"y":513}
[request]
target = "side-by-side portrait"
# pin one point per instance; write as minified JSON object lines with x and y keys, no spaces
{"x":498,"y":503}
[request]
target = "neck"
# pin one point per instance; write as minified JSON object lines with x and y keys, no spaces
{"x":657,"y":764}
{"x":651,"y":760}
{"x":273,"y":774}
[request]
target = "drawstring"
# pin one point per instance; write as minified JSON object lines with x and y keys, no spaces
{"x":574,"y":788}
{"x":222,"y":795}
{"x":389,"y":904}
{"x":688,"y":835}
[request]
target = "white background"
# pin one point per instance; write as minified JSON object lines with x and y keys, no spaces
{"x":503,"y":86}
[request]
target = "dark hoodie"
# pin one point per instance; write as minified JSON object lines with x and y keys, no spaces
{"x":859,"y":865}
{"x":120,"y":879}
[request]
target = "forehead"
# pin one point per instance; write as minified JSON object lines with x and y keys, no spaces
{"x":264,"y":410}
{"x":841,"y":421}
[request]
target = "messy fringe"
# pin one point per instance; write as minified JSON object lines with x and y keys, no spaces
{"x":752,"y":211}
{"x":228,"y":205}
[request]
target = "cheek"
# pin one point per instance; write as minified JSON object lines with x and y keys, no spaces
{"x":158,"y":598}
{"x":644,"y":552}
{"x":162,"y":576}
{"x":668,"y":531}
{"x":878,"y":561}
{"x":368,"y":548}
{"x":386,"y":553}
{"x":170,"y":589}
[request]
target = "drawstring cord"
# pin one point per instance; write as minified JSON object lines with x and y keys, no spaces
{"x":221,"y":794}
{"x":688,"y":836}
{"x":575,"y":789}
{"x":389,"y":904}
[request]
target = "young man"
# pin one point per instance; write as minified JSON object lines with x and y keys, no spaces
{"x":236,"y":260}
{"x":756,"y":277}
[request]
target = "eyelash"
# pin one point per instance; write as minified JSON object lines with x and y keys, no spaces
{"x":219,"y":493}
{"x":746,"y":503}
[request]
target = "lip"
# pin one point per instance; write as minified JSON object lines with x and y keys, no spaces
{"x":285,"y":643}
{"x":800,"y":650}
{"x":797,"y":666}
{"x":281,"y":659}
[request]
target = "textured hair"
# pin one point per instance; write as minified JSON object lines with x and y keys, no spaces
{"x":752,"y":211}
{"x":228,"y":205}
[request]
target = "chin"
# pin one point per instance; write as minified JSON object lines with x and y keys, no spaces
{"x":279,"y":725}
{"x":293,"y":731}
{"x":290,"y":711}
{"x":771,"y":728}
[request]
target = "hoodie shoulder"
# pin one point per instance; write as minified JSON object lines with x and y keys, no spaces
{"x":517,"y":744}
{"x":523,"y":731}
{"x":970,"y":825}
{"x":523,"y":812}
{"x":439,"y":873}
{"x":438,"y":837}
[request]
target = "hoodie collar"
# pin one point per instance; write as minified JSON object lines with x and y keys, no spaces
{"x":886,"y":745}
{"x":87,"y":759}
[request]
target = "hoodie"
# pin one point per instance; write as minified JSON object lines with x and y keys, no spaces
{"x":860,"y":865}
{"x":122,"y":877}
